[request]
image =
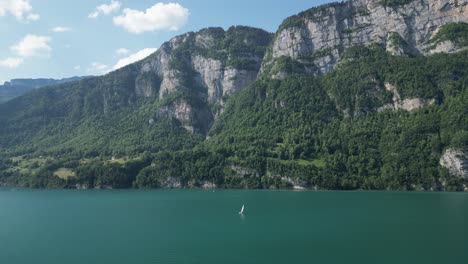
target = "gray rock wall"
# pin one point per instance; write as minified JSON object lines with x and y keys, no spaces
{"x":409,"y":104}
{"x":335,"y":27}
{"x":456,"y":161}
{"x":212,"y":78}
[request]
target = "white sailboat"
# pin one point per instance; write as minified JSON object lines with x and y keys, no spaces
{"x":242,"y":210}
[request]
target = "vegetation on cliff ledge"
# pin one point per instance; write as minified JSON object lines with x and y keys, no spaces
{"x":314,"y":132}
{"x":455,"y":32}
{"x":289,"y":128}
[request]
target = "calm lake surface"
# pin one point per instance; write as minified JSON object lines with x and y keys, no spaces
{"x":182,"y":226}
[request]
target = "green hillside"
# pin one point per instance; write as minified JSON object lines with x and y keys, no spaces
{"x":375,"y":121}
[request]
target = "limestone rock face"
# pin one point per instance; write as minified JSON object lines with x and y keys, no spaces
{"x":456,"y":161}
{"x":235,"y":80}
{"x":196,"y":72}
{"x":179,"y":110}
{"x":203,"y":67}
{"x":170,"y":183}
{"x":211,"y":73}
{"x":219,"y":79}
{"x":191,"y":118}
{"x":409,"y":104}
{"x":208,"y":185}
{"x":323,"y":33}
{"x":296,"y":184}
{"x":243,"y":171}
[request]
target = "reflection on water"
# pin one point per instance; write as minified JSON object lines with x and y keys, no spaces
{"x":242,"y":217}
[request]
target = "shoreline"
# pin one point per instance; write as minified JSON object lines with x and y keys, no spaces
{"x":5,"y":187}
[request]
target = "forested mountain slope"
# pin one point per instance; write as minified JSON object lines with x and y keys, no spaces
{"x":152,"y":104}
{"x":17,"y":87}
{"x":363,"y":94}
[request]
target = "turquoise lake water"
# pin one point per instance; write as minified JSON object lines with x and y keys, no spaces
{"x":184,"y":226}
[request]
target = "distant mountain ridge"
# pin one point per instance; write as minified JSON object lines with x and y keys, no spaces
{"x":17,"y":87}
{"x":364,"y":94}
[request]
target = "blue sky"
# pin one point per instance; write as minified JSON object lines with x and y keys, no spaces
{"x":57,"y":38}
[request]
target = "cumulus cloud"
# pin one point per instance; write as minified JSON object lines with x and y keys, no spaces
{"x":122,"y":51}
{"x":77,"y":67}
{"x":171,"y":16}
{"x":33,"y":17}
{"x":60,"y":29}
{"x":105,"y":9}
{"x":98,"y":68}
{"x":20,"y":9}
{"x":134,"y":58}
{"x":32,"y":45}
{"x":11,"y":62}
{"x":29,"y":46}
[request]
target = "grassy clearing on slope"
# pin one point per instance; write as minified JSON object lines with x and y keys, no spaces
{"x":118,"y":161}
{"x":315,"y":162}
{"x":28,"y":166}
{"x":64,"y":173}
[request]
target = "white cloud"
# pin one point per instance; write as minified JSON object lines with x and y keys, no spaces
{"x":134,"y":58}
{"x":122,"y":51}
{"x":29,"y":46}
{"x":33,"y":17}
{"x":98,"y":68}
{"x":94,"y":14}
{"x":21,"y":9}
{"x":32,"y":45}
{"x":77,"y":67}
{"x":105,"y":9}
{"x":11,"y":62}
{"x":171,"y":16}
{"x":60,"y":29}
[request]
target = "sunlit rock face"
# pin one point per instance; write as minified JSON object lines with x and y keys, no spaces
{"x":322,"y":34}
{"x":456,"y":161}
{"x":203,"y":66}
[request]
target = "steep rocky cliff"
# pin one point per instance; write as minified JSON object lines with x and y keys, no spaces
{"x":368,"y":85}
{"x":318,"y":37}
{"x":409,"y":104}
{"x":202,"y":68}
{"x":317,"y":41}
{"x":180,"y":88}
{"x":363,"y":94}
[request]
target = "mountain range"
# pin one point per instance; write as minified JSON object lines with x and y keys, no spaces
{"x":364,"y":94}
{"x":17,"y":87}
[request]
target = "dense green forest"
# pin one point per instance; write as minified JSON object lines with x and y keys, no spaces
{"x":331,"y":123}
{"x":333,"y":131}
{"x":105,"y":116}
{"x":321,"y":132}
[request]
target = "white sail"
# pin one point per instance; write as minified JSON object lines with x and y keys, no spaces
{"x":242,"y":210}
